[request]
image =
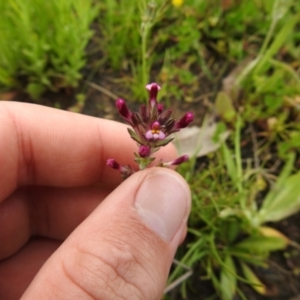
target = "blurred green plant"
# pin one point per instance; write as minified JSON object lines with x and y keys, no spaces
{"x":272,"y":75}
{"x":151,"y":13}
{"x":126,"y":43}
{"x":42,"y":45}
{"x":179,"y":45}
{"x":229,"y":216}
{"x":118,"y":23}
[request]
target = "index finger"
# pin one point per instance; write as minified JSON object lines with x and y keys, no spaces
{"x":46,"y":146}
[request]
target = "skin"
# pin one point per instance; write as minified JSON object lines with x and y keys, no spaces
{"x":53,"y":176}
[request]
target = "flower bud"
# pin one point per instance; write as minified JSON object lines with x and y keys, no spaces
{"x":153,"y":89}
{"x":123,"y":109}
{"x":160,"y":108}
{"x":113,"y":164}
{"x":165,"y":116}
{"x":144,"y":151}
{"x":184,"y":121}
{"x":180,"y":160}
{"x":144,"y":113}
{"x":177,"y":161}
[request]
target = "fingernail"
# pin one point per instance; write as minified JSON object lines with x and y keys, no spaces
{"x":163,"y":202}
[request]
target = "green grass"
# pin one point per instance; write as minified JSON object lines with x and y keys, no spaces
{"x":155,"y":41}
{"x":119,"y":25}
{"x":43,"y":42}
{"x":229,"y":216}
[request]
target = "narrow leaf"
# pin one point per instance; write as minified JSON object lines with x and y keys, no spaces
{"x":256,"y":284}
{"x":224,"y":106}
{"x":271,"y":232}
{"x":163,"y":142}
{"x":287,"y":169}
{"x":229,"y":161}
{"x":261,"y":244}
{"x":228,"y":279}
{"x":284,"y":202}
{"x":279,"y":40}
{"x":134,"y":136}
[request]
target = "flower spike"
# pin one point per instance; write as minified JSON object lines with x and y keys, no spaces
{"x":151,"y":129}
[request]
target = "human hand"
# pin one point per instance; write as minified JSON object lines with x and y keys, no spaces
{"x":95,"y":237}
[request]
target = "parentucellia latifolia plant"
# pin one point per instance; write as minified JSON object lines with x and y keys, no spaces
{"x":151,"y":129}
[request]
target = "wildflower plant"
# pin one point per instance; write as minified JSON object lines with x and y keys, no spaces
{"x":152,"y":128}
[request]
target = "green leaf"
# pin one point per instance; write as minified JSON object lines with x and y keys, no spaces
{"x":163,"y":142}
{"x":287,"y":169}
{"x":143,"y":162}
{"x":280,"y":38}
{"x":283,"y":201}
{"x":233,"y":229}
{"x":229,"y":161}
{"x":260,"y":244}
{"x":256,"y":284}
{"x":272,"y":232}
{"x":224,"y":107}
{"x":134,"y":136}
{"x":280,"y":8}
{"x":257,"y":260}
{"x":228,"y":279}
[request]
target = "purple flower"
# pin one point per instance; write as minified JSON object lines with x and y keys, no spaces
{"x":151,"y":127}
{"x":152,"y":124}
{"x":155,"y":132}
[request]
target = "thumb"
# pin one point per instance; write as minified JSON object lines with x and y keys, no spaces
{"x":125,"y":248}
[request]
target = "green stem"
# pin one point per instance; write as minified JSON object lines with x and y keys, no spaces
{"x":145,"y":75}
